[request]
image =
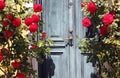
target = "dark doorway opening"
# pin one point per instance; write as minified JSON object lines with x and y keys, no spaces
{"x":46,"y":69}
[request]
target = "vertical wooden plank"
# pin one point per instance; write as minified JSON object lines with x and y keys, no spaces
{"x":83,"y":69}
{"x":88,"y":69}
{"x":35,"y":65}
{"x":80,"y":33}
{"x":72,"y":52}
{"x":55,"y":16}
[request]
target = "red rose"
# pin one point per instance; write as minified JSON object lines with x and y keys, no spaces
{"x":35,"y":18}
{"x":1,"y":57}
{"x":86,"y":22}
{"x":7,"y":33}
{"x":37,"y":7}
{"x":91,"y":7}
{"x":9,"y":17}
{"x":103,"y":30}
{"x":2,"y":0}
{"x":16,"y":64}
{"x":16,"y":22}
{"x":2,"y":5}
{"x":34,"y":46}
{"x":108,"y":19}
{"x":33,"y":27}
{"x":43,"y":35}
{"x":5,"y":23}
{"x":28,"y":21}
{"x":20,"y":75}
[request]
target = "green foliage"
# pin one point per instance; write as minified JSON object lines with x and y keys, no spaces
{"x":103,"y":50}
{"x":18,"y":47}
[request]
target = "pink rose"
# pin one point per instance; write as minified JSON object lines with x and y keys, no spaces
{"x":7,"y":33}
{"x":28,"y":21}
{"x":35,"y":18}
{"x":5,"y":23}
{"x":91,"y":7}
{"x":9,"y":17}
{"x":37,"y":7}
{"x":16,"y":22}
{"x":108,"y":19}
{"x":86,"y":22}
{"x":20,"y":75}
{"x":2,"y":5}
{"x":33,"y":27}
{"x":103,"y":30}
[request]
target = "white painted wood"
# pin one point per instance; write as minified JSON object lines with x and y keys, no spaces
{"x":72,"y":73}
{"x":67,"y":62}
{"x":55,"y":15}
{"x":83,"y":69}
{"x":35,"y":65}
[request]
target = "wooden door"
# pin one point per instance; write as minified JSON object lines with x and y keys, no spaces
{"x":63,"y":20}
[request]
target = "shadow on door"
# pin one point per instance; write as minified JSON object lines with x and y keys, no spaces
{"x":46,"y":70}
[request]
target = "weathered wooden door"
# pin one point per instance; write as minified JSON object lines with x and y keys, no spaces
{"x":63,"y":25}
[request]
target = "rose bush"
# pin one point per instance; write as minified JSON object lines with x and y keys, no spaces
{"x":20,"y":38}
{"x":102,"y":40}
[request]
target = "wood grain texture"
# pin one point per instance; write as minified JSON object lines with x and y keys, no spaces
{"x":65,"y":61}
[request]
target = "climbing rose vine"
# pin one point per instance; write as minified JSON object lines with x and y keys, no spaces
{"x":21,"y":38}
{"x":102,"y":39}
